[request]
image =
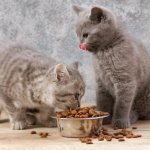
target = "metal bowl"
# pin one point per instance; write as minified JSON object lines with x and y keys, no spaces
{"x":79,"y":127}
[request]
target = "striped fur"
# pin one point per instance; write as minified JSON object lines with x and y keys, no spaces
{"x":29,"y":79}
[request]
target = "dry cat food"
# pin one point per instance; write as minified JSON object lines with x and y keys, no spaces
{"x":41,"y":134}
{"x":86,"y":140}
{"x":120,"y":135}
{"x":134,"y":127}
{"x":84,"y":112}
{"x":33,"y":132}
{"x":121,"y":139}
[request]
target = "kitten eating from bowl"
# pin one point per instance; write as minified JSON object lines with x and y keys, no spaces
{"x":34,"y":85}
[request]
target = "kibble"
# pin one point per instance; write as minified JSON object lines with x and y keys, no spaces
{"x":33,"y":132}
{"x":134,"y":127}
{"x":84,"y":112}
{"x":104,"y":129}
{"x":101,"y":138}
{"x":121,"y":139}
{"x":43,"y":134}
{"x":108,"y":138}
{"x":139,"y":135}
{"x":82,"y":140}
{"x":86,"y":140}
{"x":89,"y":142}
{"x":136,"y":136}
{"x":120,"y":135}
{"x":129,"y":136}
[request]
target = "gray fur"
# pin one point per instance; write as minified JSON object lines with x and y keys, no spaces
{"x":122,"y":66}
{"x":31,"y":80}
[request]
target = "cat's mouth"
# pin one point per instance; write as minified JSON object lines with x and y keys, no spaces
{"x":83,"y":47}
{"x":88,"y":47}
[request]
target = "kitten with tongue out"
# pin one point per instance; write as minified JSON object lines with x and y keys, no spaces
{"x":83,"y":47}
{"x":92,"y":30}
{"x":121,"y":65}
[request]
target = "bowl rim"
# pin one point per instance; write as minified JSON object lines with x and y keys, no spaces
{"x":89,"y":118}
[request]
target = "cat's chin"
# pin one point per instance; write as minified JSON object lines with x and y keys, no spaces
{"x":58,"y":109}
{"x":62,"y":108}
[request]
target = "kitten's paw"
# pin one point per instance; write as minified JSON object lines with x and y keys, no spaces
{"x":133,"y":117}
{"x":18,"y":125}
{"x":121,"y":123}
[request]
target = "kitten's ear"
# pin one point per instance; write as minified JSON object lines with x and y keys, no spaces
{"x":96,"y":14}
{"x":77,"y":9}
{"x":61,"y":73}
{"x":75,"y":65}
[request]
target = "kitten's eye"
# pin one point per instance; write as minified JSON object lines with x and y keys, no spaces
{"x":85,"y":35}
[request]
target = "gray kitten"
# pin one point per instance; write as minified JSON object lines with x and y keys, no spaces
{"x":33,"y":86}
{"x":122,"y":66}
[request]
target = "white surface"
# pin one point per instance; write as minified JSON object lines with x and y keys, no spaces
{"x":23,"y":140}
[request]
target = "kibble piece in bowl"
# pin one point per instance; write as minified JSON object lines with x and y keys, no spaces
{"x":85,"y":112}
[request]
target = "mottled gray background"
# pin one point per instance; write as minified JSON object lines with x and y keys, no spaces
{"x":49,"y":26}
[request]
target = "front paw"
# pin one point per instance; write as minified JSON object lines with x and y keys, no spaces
{"x":18,"y":125}
{"x":133,"y":116}
{"x":121,"y":123}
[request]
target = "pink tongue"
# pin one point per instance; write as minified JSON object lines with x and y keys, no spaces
{"x":83,"y":47}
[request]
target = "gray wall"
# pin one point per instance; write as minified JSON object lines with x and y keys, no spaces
{"x":48,"y":24}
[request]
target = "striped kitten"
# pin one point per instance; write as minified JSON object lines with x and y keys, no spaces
{"x":31,"y":82}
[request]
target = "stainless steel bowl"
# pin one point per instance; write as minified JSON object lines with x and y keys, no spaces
{"x":79,"y":127}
